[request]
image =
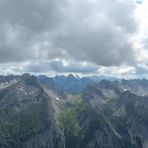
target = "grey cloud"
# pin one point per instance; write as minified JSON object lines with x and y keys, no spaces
{"x":78,"y":30}
{"x":24,"y":25}
{"x":141,"y":70}
{"x":76,"y":67}
{"x":145,"y":43}
{"x":103,"y":46}
{"x":60,"y":67}
{"x":121,"y":13}
{"x":100,"y":35}
{"x":34,"y":15}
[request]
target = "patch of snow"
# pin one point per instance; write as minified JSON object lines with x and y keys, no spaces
{"x":21,"y":89}
{"x":7,"y":84}
{"x":26,"y":93}
{"x":31,"y":93}
{"x":104,"y":101}
{"x":57,"y":99}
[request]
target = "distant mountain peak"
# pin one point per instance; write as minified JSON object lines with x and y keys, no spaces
{"x":26,"y":75}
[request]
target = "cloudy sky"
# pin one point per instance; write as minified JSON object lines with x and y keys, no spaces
{"x":84,"y":37}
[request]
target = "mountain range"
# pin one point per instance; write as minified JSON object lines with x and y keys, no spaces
{"x":73,"y":112}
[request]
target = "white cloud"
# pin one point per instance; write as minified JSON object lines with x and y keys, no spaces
{"x":122,"y":71}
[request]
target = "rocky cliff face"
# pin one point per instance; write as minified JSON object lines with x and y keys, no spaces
{"x":136,"y":86}
{"x":136,"y":114}
{"x":107,"y":115}
{"x":118,"y":122}
{"x":71,"y":84}
{"x":27,"y":117}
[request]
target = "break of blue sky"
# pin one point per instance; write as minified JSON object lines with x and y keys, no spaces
{"x":139,"y":1}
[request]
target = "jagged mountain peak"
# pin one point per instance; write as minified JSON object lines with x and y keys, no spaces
{"x":107,"y":114}
{"x":27,"y":117}
{"x":29,"y":80}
